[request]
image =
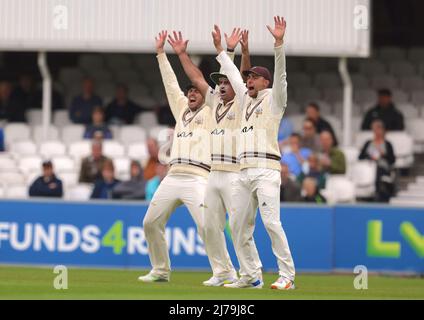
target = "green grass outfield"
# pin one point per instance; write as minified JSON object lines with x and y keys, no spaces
{"x":37,"y":283}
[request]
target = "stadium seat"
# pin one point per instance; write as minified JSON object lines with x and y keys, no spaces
{"x":61,"y":118}
{"x":299,"y":80}
{"x":401,"y":68}
{"x":30,"y":164}
{"x":365,"y":97}
{"x":360,"y":81}
{"x":17,"y":192}
{"x":406,"y":202}
{"x":15,"y":132}
{"x":370,"y":67}
{"x":327,"y":80}
{"x":417,"y":98}
{"x":147,"y":120}
{"x":316,"y":65}
{"x":391,"y":53}
{"x":403,"y":148}
{"x":159,"y":133}
{"x":113,"y":149}
{"x":132,"y":133}
{"x":305,"y":95}
{"x":324,"y":107}
{"x":333,"y":95}
{"x":400,"y":96}
{"x":122,"y":168}
{"x":127,"y":76}
{"x":297,"y":122}
{"x":384,"y":81}
{"x":138,"y":151}
{"x":11,"y":178}
{"x":363,"y":177}
{"x":411,"y":83}
{"x":72,"y":133}
{"x":80,"y":192}
{"x":70,"y":76}
{"x":79,"y":149}
{"x":361,"y":137}
{"x":415,"y":127}
{"x":2,"y":192}
{"x":338,"y":111}
{"x":408,"y":110}
{"x":31,"y":176}
{"x":293,"y":109}
{"x":7,"y":164}
{"x":34,"y":117}
{"x":63,"y":164}
{"x":137,"y":88}
{"x":90,"y":61}
{"x":105,"y":89}
{"x":52,"y":148}
{"x":351,"y":156}
{"x":69,"y":179}
{"x":37,"y":134}
{"x":342,"y":189}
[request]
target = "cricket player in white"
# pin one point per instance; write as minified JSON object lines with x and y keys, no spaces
{"x":259,"y":180}
{"x":225,"y":125}
{"x":190,"y":167}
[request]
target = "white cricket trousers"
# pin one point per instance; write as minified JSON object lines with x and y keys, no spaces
{"x":218,"y":202}
{"x":259,"y":187}
{"x":174,"y":190}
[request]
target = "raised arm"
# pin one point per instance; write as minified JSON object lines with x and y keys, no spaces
{"x":227,"y":66}
{"x":245,"y":55}
{"x":192,"y":71}
{"x":279,"y":88}
{"x":175,"y":95}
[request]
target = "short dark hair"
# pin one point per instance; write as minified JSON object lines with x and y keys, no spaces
{"x":313,"y":105}
{"x":384,"y":92}
{"x":296,"y":135}
{"x":311,"y":121}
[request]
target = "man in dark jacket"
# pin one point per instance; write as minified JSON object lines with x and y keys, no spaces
{"x":48,"y":185}
{"x":385,"y":111}
{"x":82,"y":105}
{"x":313,"y":114}
{"x":122,"y":110}
{"x":135,"y":188}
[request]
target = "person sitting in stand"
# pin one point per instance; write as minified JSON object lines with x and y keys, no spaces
{"x":310,"y":192}
{"x":48,"y":185}
{"x":103,"y":187}
{"x":98,"y":129}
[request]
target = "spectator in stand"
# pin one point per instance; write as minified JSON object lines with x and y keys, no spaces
{"x":386,"y":111}
{"x":284,"y":132}
{"x":1,"y":140}
{"x":11,"y":109}
{"x":381,"y":151}
{"x":26,"y":92}
{"x":332,"y":159}
{"x":313,"y":113}
{"x":154,"y":182}
{"x":310,"y":137}
{"x":297,"y":155}
{"x":48,"y":185}
{"x":122,"y":110}
{"x":164,"y":115}
{"x":98,"y":129}
{"x":82,"y":106}
{"x":104,"y":186}
{"x":150,"y":168}
{"x":312,"y":169}
{"x":135,"y":188}
{"x":311,"y":193}
{"x":289,"y":189}
{"x":92,"y":165}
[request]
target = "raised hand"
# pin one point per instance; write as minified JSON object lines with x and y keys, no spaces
{"x":160,"y":41}
{"x":233,"y":39}
{"x":279,"y":30}
{"x":244,"y":41}
{"x":216,"y":36}
{"x":178,"y":43}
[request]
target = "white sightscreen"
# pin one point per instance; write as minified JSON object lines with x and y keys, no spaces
{"x":315,"y":27}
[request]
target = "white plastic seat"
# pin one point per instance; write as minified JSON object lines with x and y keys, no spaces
{"x":34,"y":116}
{"x":132,"y":133}
{"x":23,"y":147}
{"x":127,"y":76}
{"x":417,"y":98}
{"x":360,"y":81}
{"x":416,"y":54}
{"x":316,"y":65}
{"x":400,"y":96}
{"x":118,"y":61}
{"x":61,"y":118}
{"x":7,"y":164}
{"x":401,"y":68}
{"x":384,"y":81}
{"x":351,"y":156}
{"x":342,"y":188}
{"x":122,"y":167}
{"x":306,"y":95}
{"x":159,"y":133}
{"x":113,"y":149}
{"x":37,"y":134}
{"x":138,"y":151}
{"x":412,"y":83}
{"x":299,"y":80}
{"x":72,"y":133}
{"x":69,"y":179}
{"x":363,"y":176}
{"x":333,"y":95}
{"x":137,"y":88}
{"x":415,"y":127}
{"x":2,"y":192}
{"x":403,"y":147}
{"x":49,"y":149}
{"x":15,"y":132}
{"x":365,"y":96}
{"x":79,"y":149}
{"x":147,"y":120}
{"x":31,"y":176}
{"x":105,"y":89}
{"x":361,"y":137}
{"x":63,"y":163}
{"x":371,"y":67}
{"x":17,"y":192}
{"x":30,"y":164}
{"x":327,"y":80}
{"x":408,"y":110}
{"x":11,"y":178}
{"x":80,"y":192}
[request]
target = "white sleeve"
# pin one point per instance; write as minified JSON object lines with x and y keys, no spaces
{"x":210,"y":97}
{"x":279,"y":87}
{"x":229,"y":68}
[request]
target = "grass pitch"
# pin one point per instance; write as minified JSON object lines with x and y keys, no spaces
{"x":37,"y":283}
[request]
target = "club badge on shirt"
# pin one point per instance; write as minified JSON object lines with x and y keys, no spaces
{"x":231,"y":115}
{"x":258,"y":111}
{"x":198,"y":120}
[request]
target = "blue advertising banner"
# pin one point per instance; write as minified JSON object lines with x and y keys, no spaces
{"x":111,"y":234}
{"x":382,"y":238}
